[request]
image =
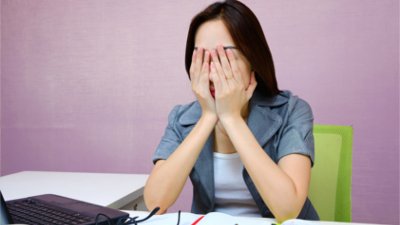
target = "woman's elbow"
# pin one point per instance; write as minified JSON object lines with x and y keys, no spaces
{"x":291,"y":213}
{"x":283,"y":217}
{"x":152,"y":203}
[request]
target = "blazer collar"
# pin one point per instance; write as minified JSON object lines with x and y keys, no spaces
{"x":275,"y":101}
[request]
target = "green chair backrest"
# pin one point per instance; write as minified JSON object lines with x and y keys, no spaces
{"x":330,"y":187}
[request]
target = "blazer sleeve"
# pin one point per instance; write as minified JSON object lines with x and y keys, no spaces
{"x":171,"y":138}
{"x":297,"y":136}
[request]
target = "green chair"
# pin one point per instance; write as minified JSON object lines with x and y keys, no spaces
{"x":330,"y":187}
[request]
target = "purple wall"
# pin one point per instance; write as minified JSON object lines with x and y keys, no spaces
{"x":88,"y":85}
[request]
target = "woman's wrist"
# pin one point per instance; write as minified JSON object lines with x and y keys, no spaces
{"x":227,"y":120}
{"x":209,"y":117}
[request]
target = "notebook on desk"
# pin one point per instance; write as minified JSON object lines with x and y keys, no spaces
{"x":55,"y":209}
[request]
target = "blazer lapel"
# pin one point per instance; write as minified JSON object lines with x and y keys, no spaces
{"x":263,"y":123}
{"x":204,"y":166}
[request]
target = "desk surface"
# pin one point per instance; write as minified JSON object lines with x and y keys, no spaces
{"x":265,"y":221}
{"x":106,"y":189}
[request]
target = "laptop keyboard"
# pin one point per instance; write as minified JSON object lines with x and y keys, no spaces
{"x":37,"y":212}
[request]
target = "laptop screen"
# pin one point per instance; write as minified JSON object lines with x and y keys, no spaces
{"x":5,"y":217}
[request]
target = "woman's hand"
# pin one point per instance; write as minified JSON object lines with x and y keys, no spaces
{"x":232,"y":94}
{"x":199,"y":76}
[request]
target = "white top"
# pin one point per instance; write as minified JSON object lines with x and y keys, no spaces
{"x":231,"y":193}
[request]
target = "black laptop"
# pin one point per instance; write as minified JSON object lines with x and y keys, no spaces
{"x":55,"y":209}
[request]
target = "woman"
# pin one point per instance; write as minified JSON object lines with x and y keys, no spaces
{"x":246,"y":146}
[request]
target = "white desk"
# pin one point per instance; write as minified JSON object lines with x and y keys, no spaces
{"x":172,"y":218}
{"x":120,"y":191}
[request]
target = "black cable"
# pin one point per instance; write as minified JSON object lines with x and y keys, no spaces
{"x":154,"y":211}
{"x":130,"y":220}
{"x":133,"y":221}
{"x":179,"y":217}
{"x":101,"y":214}
{"x":124,"y":221}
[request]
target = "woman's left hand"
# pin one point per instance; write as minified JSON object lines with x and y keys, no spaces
{"x":231,"y":92}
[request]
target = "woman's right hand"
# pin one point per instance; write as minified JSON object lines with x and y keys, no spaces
{"x":199,"y":76}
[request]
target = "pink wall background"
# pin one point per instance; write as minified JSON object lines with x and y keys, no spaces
{"x":88,"y":85}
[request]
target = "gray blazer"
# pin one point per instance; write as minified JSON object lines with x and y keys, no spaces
{"x":282,"y":125}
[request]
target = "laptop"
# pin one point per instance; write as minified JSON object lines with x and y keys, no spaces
{"x":55,"y":209}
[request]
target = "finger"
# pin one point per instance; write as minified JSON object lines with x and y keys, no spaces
{"x":226,"y":67}
{"x":220,"y":74}
{"x":204,"y":85}
{"x":199,"y":57}
{"x":217,"y":64}
{"x":205,"y":70}
{"x":234,"y":66}
{"x":215,"y":78}
{"x":194,"y":55}
{"x":192,"y":65}
{"x":252,"y":86}
{"x":198,"y":64}
{"x":206,"y":62}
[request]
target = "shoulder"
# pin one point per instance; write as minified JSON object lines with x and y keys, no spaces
{"x":295,"y":133}
{"x":296,"y":116}
{"x":298,"y":107}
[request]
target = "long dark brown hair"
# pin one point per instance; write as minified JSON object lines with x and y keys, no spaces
{"x":248,"y":36}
